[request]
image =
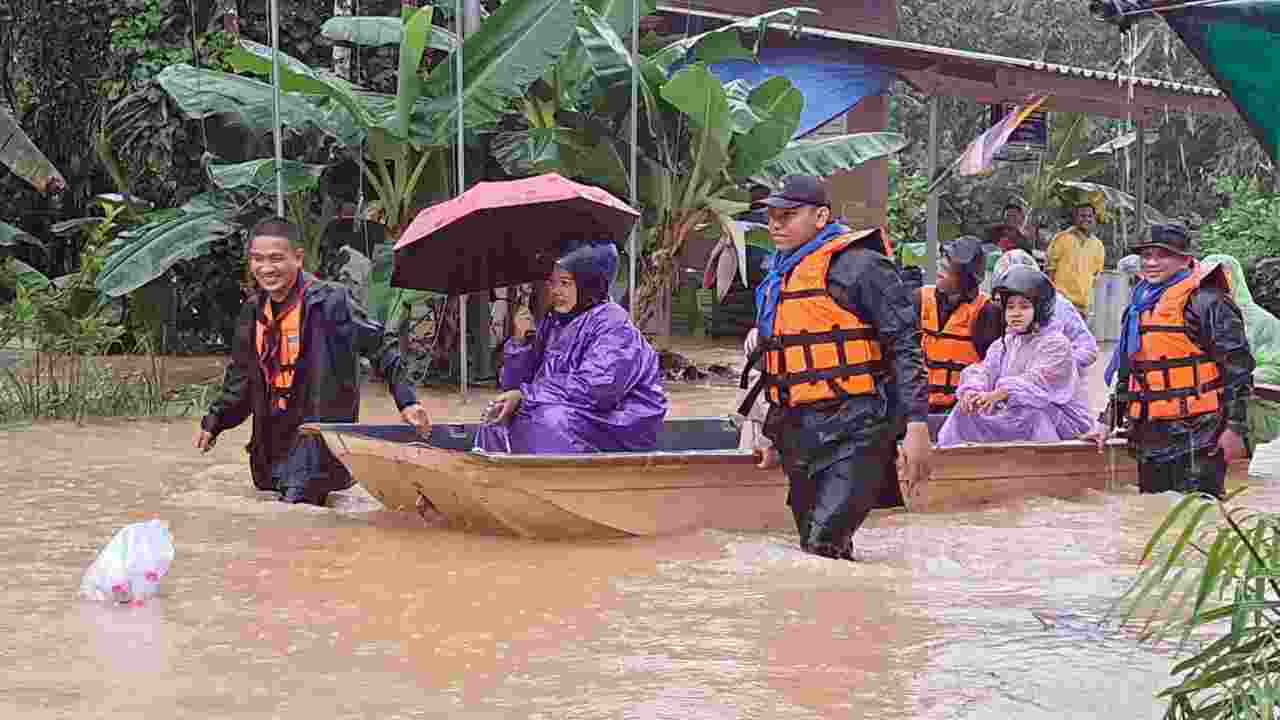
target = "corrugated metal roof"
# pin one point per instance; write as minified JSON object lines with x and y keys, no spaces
{"x":945,"y":53}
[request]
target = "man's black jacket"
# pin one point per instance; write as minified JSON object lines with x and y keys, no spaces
{"x":336,"y":331}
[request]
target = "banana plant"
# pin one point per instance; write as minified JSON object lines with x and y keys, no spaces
{"x":24,"y":159}
{"x":702,"y":142}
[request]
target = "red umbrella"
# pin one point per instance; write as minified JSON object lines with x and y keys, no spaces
{"x":503,"y":233}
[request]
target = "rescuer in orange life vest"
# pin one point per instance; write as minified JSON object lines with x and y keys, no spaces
{"x":957,"y":322}
{"x":842,"y":368}
{"x":295,"y":359}
{"x":1185,"y":371}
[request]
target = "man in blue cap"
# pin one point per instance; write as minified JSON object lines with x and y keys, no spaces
{"x":1184,"y":369}
{"x":840,"y":340}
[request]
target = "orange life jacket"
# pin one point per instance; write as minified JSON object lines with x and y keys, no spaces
{"x":819,"y":350}
{"x":279,"y":378}
{"x":947,"y":350}
{"x":1171,"y":377}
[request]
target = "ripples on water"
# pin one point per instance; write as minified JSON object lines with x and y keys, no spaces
{"x":293,"y":612}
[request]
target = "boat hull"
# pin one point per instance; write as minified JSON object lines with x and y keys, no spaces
{"x":566,"y":496}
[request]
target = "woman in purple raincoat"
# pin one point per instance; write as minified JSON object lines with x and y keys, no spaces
{"x":1028,"y":387}
{"x":587,"y":380}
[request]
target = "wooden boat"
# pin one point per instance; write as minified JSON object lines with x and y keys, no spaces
{"x":974,"y":476}
{"x":698,"y":478}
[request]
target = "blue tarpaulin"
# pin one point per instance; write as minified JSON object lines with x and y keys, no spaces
{"x":831,"y":79}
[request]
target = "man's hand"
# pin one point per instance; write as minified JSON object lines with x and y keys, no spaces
{"x":1231,"y":445}
{"x":769,"y":458}
{"x":417,"y":416}
{"x":1099,"y":434}
{"x":504,"y":406}
{"x":968,"y":402}
{"x":205,"y":441}
{"x":917,"y":450}
{"x":753,"y":339}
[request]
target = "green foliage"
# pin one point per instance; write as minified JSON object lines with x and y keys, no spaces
{"x":906,"y":208}
{"x":1248,"y":228}
{"x":1216,"y":577}
{"x":144,"y":35}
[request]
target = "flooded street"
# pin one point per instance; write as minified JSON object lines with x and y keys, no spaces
{"x":275,"y":611}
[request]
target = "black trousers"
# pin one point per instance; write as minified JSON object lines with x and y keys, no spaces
{"x":1194,"y":472}
{"x":830,"y":503}
{"x":308,"y":473}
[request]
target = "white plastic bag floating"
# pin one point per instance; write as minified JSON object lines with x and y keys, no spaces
{"x":129,"y":568}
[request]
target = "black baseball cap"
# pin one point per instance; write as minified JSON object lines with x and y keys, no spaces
{"x":798,"y":191}
{"x":1171,"y":237}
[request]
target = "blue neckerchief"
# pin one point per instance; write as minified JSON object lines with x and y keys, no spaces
{"x":770,"y":288}
{"x":1145,"y":297}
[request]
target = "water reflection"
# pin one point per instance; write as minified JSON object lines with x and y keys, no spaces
{"x":280,"y":611}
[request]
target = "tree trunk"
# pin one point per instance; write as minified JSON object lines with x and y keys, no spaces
{"x":657,"y":273}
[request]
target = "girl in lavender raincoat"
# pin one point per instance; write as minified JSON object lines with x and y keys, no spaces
{"x":1029,"y":387}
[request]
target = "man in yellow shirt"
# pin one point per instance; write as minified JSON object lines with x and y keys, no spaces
{"x":1075,"y":258}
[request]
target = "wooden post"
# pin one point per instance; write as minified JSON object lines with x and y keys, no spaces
{"x":931,"y":247}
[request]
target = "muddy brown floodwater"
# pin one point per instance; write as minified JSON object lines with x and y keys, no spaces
{"x":275,"y":611}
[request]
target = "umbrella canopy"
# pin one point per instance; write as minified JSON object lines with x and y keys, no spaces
{"x":1237,"y":41}
{"x":499,"y":234}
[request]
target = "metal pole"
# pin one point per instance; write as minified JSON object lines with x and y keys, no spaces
{"x":459,"y":158}
{"x":1141,"y":125}
{"x":931,"y":207}
{"x":275,"y":104}
{"x":635,"y":190}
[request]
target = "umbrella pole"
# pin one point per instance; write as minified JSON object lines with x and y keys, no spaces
{"x":635,"y":123}
{"x":459,"y":157}
{"x":275,"y":105}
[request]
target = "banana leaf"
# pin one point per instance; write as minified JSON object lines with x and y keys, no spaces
{"x":778,"y":104}
{"x":1118,"y":198}
{"x":829,"y":155}
{"x":381,"y":32}
{"x":513,"y":48}
{"x":11,"y":236}
{"x":260,"y":175}
{"x":707,"y":45}
{"x":297,"y":76}
{"x":701,"y":97}
{"x":24,"y":159}
{"x":150,"y":250}
{"x":205,"y":93}
{"x":29,"y":277}
{"x":571,"y":153}
{"x":618,"y":13}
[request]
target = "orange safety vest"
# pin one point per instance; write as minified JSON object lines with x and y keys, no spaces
{"x":1171,"y":377}
{"x":280,"y":378}
{"x":950,"y":349}
{"x":819,"y":350}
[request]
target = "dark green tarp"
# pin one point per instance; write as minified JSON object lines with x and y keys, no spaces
{"x":1237,"y":42}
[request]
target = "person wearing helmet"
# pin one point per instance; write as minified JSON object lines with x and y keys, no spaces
{"x":1183,"y":371}
{"x":842,"y":371}
{"x":1084,"y":346}
{"x":1028,"y":387}
{"x":586,"y":380}
{"x":957,"y":321}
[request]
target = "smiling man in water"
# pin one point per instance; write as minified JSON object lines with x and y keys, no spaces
{"x":294,"y":360}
